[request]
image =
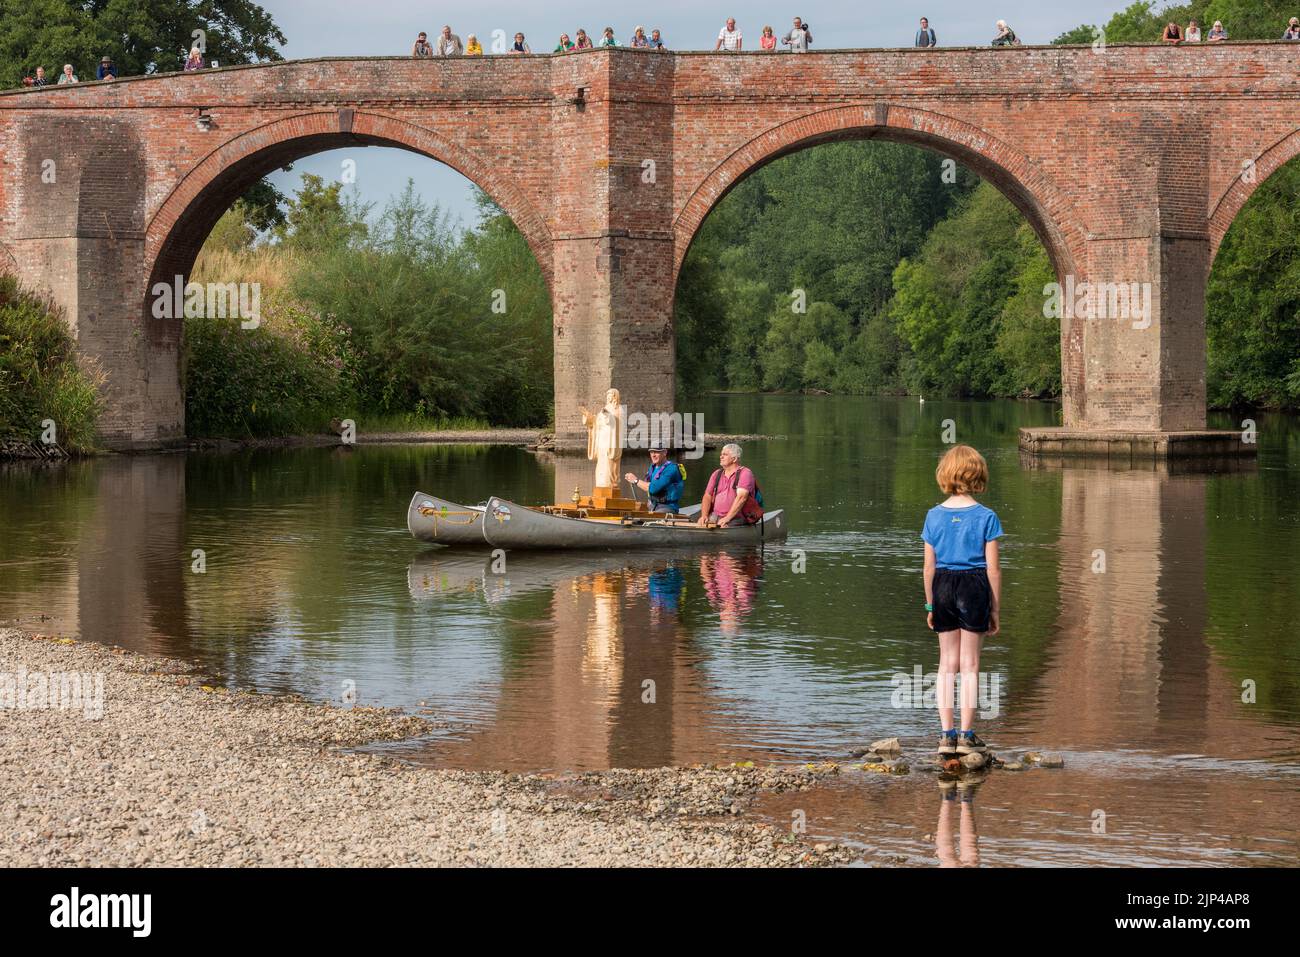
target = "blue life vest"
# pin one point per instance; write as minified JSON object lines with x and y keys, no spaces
{"x":671,"y":493}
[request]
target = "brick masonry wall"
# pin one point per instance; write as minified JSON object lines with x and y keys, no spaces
{"x":1130,"y":163}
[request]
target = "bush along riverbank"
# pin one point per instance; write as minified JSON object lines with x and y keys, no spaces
{"x":399,"y":322}
{"x":153,"y":764}
{"x":49,"y":396}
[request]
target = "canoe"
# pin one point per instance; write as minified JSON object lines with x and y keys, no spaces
{"x":508,"y":525}
{"x":433,"y":519}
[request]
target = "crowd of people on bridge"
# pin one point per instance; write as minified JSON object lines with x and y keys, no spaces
{"x":106,"y":70}
{"x":731,"y":39}
{"x":798,"y":39}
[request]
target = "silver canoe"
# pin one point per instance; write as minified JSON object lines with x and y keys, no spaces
{"x":507,"y":525}
{"x":433,"y":519}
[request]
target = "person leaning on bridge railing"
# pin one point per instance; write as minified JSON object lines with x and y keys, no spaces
{"x":730,"y":38}
{"x":1193,"y":32}
{"x":1217,"y":33}
{"x":449,"y":44}
{"x":67,"y":76}
{"x":799,"y":39}
{"x":472,"y":46}
{"x":657,"y":41}
{"x":194,"y":61}
{"x":925,"y":36}
{"x":767,"y":40}
{"x":1292,"y":30}
{"x":520,"y":46}
{"x":1006,"y":36}
{"x":422,"y":48}
{"x":1173,"y":34}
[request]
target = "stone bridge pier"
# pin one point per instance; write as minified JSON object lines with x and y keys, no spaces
{"x":1129,"y":162}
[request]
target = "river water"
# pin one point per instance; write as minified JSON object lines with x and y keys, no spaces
{"x":1147,"y":631}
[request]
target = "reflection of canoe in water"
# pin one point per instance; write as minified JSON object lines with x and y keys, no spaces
{"x":438,"y":573}
{"x":507,"y":525}
{"x":433,"y":519}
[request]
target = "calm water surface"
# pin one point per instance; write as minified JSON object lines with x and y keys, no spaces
{"x":1139,"y":608}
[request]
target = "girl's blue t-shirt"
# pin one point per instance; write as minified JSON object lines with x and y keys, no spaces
{"x":958,"y":535}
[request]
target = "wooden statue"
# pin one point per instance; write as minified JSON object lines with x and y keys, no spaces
{"x":605,"y":442}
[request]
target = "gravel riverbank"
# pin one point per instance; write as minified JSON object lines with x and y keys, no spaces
{"x":164,"y":769}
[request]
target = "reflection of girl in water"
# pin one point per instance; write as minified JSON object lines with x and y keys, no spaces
{"x":731,"y":583}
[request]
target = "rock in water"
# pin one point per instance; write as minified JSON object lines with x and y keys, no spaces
{"x":886,"y":746}
{"x":974,"y":761}
{"x":1051,"y":761}
{"x":952,"y":765}
{"x":1013,"y":766}
{"x":1032,"y":757}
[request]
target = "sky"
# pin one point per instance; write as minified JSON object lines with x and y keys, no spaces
{"x":322,"y":28}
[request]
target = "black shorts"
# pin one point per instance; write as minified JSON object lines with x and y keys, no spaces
{"x":963,"y":599}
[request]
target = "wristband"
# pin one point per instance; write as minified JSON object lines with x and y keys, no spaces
{"x":929,"y":607}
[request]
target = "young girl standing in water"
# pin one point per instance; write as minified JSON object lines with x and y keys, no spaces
{"x":963,"y":587}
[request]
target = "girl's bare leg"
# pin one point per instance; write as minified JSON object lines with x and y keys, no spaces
{"x":971,"y":643}
{"x":949,"y":660}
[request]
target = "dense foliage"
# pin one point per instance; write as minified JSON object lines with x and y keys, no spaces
{"x":41,"y":377}
{"x":1145,"y":20}
{"x":382,"y":318}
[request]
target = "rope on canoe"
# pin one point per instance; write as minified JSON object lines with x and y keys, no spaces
{"x":446,"y":517}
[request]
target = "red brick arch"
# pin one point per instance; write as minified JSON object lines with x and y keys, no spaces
{"x":1050,"y":213}
{"x":1224,"y":212}
{"x":182,"y":223}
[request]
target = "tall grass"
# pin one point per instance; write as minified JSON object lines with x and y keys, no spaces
{"x":403,"y":323}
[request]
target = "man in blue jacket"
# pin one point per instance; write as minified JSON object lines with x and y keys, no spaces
{"x":925,"y":36}
{"x":664,"y":483}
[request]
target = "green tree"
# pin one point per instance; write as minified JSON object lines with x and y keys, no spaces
{"x":1247,"y":19}
{"x":319,"y":217}
{"x":1253,"y":300}
{"x":142,"y":36}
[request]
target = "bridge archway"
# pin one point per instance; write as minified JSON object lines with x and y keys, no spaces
{"x":1050,"y":213}
{"x":176,"y":233}
{"x":1224,"y":212}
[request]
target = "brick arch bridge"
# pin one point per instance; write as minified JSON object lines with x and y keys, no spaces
{"x":1129,"y":162}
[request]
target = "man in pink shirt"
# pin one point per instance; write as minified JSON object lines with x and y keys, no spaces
{"x":731,"y":495}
